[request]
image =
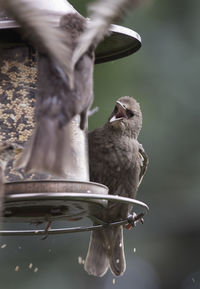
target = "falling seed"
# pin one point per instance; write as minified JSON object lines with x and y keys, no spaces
{"x":19,"y":247}
{"x":30,"y":266}
{"x":3,"y":246}
{"x":134,"y":250}
{"x":88,"y":192}
{"x":83,"y":261}
{"x":16,"y":268}
{"x":120,"y":245}
{"x":35,"y":270}
{"x":193,"y":280}
{"x":108,"y":247}
{"x":113,"y":281}
{"x":49,"y":250}
{"x":80,"y":260}
{"x":117,"y":261}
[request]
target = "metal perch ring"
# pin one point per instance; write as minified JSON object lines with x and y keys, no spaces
{"x":52,"y":206}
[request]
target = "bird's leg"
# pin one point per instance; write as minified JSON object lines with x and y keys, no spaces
{"x":133,"y":219}
{"x":46,"y":231}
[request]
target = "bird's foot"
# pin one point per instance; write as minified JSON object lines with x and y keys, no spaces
{"x":133,"y":219}
{"x":46,"y":231}
{"x":93,"y":111}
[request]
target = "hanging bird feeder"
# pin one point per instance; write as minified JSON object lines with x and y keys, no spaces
{"x":41,"y":197}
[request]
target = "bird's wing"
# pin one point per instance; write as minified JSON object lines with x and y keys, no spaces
{"x":38,"y":28}
{"x":144,"y":163}
{"x":101,"y":14}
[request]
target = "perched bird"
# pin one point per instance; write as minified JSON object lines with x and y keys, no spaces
{"x":49,"y":147}
{"x":7,"y":152}
{"x":117,"y":160}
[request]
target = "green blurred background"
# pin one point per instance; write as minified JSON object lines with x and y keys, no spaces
{"x":164,"y":77}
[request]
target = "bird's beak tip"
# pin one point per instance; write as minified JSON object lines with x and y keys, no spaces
{"x":113,"y":119}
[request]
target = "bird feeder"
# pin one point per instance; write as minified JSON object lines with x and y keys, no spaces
{"x":42,"y":197}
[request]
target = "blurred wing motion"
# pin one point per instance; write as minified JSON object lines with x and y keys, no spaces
{"x":37,"y":26}
{"x":50,"y":148}
{"x":101,"y":14}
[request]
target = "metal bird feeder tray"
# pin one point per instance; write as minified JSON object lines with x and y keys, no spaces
{"x":42,"y":197}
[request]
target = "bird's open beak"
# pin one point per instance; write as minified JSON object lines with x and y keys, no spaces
{"x":121,"y":112}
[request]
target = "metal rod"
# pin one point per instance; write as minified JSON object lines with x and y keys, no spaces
{"x":60,"y":230}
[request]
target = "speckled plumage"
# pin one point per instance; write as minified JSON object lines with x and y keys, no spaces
{"x":115,"y":161}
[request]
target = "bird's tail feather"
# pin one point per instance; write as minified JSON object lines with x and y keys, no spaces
{"x":116,"y":255}
{"x":96,"y":262}
{"x":106,"y":249}
{"x":48,"y":150}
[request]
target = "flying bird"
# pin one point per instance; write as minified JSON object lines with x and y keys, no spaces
{"x":49,"y":149}
{"x":117,"y":160}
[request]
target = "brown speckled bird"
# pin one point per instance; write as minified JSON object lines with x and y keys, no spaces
{"x":118,"y":161}
{"x":57,"y":103}
{"x":7,"y":152}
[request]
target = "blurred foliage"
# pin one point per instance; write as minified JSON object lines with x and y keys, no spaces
{"x":163,"y":77}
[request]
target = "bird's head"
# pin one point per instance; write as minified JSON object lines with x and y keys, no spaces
{"x":9,"y":150}
{"x":127,"y":116}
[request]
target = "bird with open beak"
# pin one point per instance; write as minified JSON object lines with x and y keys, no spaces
{"x":8,"y":151}
{"x":117,"y":160}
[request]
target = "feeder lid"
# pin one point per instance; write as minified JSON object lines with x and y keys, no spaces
{"x":121,"y":41}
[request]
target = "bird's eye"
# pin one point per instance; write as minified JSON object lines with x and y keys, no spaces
{"x":130,"y":113}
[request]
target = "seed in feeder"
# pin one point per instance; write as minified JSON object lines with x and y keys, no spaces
{"x":23,"y":104}
{"x":16,"y":268}
{"x":12,"y":116}
{"x":30,"y":266}
{"x":3,"y":246}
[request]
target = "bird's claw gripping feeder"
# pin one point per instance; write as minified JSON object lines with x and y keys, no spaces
{"x":41,"y":197}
